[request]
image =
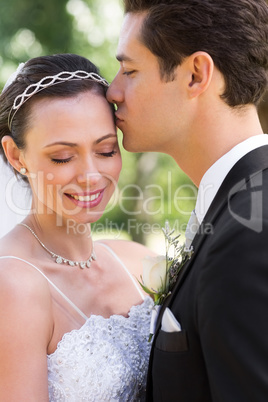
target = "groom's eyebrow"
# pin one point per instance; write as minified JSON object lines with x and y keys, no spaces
{"x":123,"y":57}
{"x":105,"y":138}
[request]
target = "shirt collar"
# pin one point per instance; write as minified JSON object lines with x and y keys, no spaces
{"x":214,"y":176}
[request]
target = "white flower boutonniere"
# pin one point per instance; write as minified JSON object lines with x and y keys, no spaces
{"x":160,"y":273}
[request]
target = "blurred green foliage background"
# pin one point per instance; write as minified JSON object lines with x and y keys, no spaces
{"x":152,"y":188}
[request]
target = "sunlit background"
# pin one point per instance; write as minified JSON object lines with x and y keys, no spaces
{"x":152,"y":188}
{"x":32,"y":28}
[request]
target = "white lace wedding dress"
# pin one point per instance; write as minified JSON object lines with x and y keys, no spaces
{"x":106,"y":359}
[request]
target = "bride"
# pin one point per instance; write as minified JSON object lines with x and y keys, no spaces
{"x":74,"y":322}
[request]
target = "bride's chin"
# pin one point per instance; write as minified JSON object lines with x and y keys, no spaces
{"x":88,"y":218}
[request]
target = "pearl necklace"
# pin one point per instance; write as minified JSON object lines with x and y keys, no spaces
{"x":62,"y":260}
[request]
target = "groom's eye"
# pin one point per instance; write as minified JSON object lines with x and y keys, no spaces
{"x":129,"y":72}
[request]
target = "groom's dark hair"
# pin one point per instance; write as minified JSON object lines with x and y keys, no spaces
{"x":233,"y":32}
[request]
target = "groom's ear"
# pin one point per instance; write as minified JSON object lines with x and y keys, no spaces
{"x":201,"y":68}
{"x":12,"y":152}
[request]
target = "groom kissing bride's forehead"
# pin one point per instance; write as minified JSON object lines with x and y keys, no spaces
{"x":191,"y":76}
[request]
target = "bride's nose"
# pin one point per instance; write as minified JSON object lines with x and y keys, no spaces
{"x":89,"y":174}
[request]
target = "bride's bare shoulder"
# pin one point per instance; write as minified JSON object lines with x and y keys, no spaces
{"x":25,"y":298}
{"x":17,"y":276}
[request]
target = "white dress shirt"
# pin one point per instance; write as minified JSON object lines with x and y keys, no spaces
{"x":214,"y":176}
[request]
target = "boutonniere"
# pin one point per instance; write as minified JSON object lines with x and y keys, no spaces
{"x":160,"y":273}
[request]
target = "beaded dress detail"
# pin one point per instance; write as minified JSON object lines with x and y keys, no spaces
{"x":105,"y":360}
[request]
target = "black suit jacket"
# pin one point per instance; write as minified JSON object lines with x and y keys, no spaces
{"x":221,"y":300}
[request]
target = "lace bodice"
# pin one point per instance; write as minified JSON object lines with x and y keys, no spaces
{"x":105,"y":360}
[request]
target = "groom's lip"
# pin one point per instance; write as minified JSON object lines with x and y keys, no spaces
{"x":118,"y":119}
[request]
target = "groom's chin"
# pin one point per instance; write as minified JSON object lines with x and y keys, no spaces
{"x":136,"y":145}
{"x":130,"y":146}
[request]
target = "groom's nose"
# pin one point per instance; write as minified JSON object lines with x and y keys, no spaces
{"x":115,"y":93}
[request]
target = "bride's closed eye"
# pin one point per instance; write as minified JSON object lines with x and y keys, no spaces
{"x":61,"y":161}
{"x":108,"y":154}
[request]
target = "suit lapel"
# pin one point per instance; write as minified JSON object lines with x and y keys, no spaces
{"x":254,"y":161}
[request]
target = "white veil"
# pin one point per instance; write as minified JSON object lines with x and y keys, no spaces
{"x":15,"y":199}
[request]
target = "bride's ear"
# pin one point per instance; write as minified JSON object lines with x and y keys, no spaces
{"x":12,"y":152}
{"x":201,"y":67}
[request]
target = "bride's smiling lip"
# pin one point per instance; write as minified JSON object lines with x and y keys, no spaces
{"x":86,"y":199}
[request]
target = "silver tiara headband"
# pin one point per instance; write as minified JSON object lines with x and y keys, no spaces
{"x":48,"y":81}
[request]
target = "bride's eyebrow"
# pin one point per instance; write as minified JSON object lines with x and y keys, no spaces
{"x":68,"y":144}
{"x":73,"y":144}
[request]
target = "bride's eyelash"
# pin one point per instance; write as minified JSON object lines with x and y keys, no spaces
{"x":108,"y":154}
{"x":61,"y":161}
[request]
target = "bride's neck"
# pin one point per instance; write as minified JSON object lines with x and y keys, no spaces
{"x":69,"y":239}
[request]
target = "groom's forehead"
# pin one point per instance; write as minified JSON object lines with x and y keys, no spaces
{"x":131,"y":29}
{"x":130,"y":47}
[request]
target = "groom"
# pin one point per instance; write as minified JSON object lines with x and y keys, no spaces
{"x":191,"y":74}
